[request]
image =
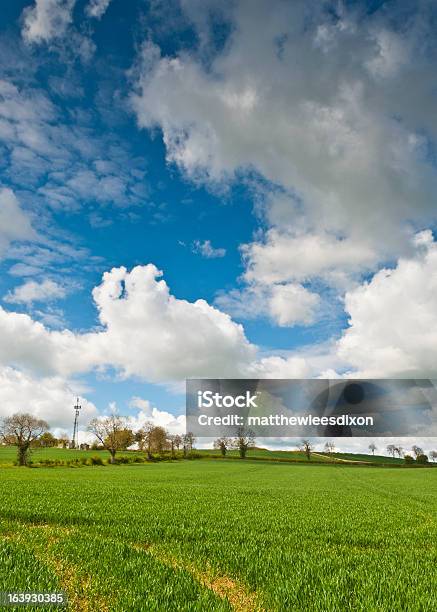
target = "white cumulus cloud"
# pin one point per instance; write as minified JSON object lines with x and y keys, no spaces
{"x":349,"y":146}
{"x":285,"y":304}
{"x":145,"y":332}
{"x":49,"y":398}
{"x":393,"y":318}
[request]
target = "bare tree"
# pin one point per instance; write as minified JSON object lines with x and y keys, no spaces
{"x":417,"y":450}
{"x":433,"y":455}
{"x":244,"y":440}
{"x":23,"y":429}
{"x":372,"y":447}
{"x":171,"y":441}
{"x":307,"y":448}
{"x":177,"y":441}
{"x":391,"y":449}
{"x":329,"y":447}
{"x":111,"y":433}
{"x":399,"y":451}
{"x":223,"y":444}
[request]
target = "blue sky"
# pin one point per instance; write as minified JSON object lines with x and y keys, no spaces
{"x":269,"y":158}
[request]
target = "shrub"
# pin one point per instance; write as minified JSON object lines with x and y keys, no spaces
{"x":408,"y":459}
{"x":95,"y":460}
{"x":119,"y":460}
{"x":422,"y":459}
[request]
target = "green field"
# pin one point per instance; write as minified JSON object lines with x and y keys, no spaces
{"x":222,"y":535}
{"x":8,"y":455}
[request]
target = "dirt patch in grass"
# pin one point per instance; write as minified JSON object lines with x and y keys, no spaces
{"x":236,"y":593}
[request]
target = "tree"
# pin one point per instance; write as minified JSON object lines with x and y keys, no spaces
{"x":177,"y":441}
{"x":24,"y":429}
{"x":223,"y":444}
{"x":307,"y":448}
{"x":63,"y":440}
{"x":372,"y":447}
{"x":110,"y":432}
{"x":170,"y":438}
{"x":155,"y":439}
{"x":125,"y":438}
{"x":408,"y":459}
{"x":329,"y":447}
{"x":188,"y":443}
{"x":146,"y":434}
{"x":158,"y":439}
{"x":244,"y":440}
{"x":46,"y":440}
{"x":140,"y":438}
{"x":391,"y":449}
{"x":399,"y":451}
{"x":422,"y":458}
{"x":417,"y":450}
{"x":433,"y":455}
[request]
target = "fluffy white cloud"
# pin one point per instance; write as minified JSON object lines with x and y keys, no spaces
{"x":49,"y":398}
{"x":279,"y":367}
{"x":162,"y":418}
{"x":283,"y":257}
{"x":148,"y":333}
{"x":31,"y":291}
{"x":14,"y":222}
{"x":348,"y":145}
{"x":97,"y":8}
{"x":206,"y":249}
{"x":30,"y":346}
{"x":145,"y":332}
{"x":46,"y":20}
{"x":285,"y":304}
{"x":290,"y":304}
{"x":393,"y":318}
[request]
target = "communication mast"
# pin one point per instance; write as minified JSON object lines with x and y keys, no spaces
{"x":75,"y":440}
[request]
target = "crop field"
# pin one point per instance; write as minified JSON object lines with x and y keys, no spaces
{"x":212,"y":535}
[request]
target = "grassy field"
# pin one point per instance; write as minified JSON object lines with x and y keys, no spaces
{"x":8,"y":455}
{"x":213,"y":535}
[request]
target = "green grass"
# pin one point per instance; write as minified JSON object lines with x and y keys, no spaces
{"x":8,"y":454}
{"x":214,"y":535}
{"x":263,"y":453}
{"x":369,"y":458}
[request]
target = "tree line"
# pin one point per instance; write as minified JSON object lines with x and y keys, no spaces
{"x":418,"y":455}
{"x":112,"y":433}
